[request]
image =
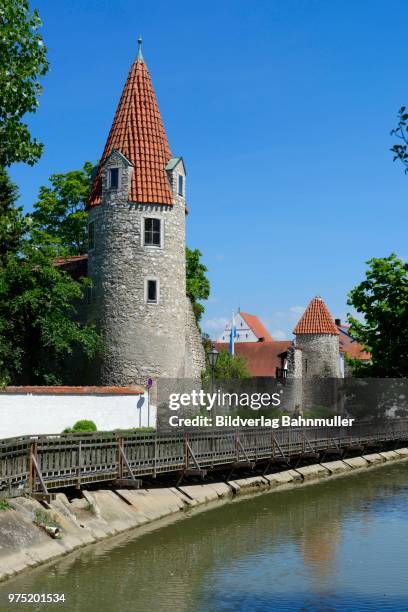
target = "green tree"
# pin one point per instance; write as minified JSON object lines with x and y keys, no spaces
{"x":22,"y":63}
{"x":61,"y":212}
{"x":230,"y":367}
{"x":39,"y":326}
{"x":382,"y":299}
{"x":197,"y":283}
{"x":400,"y":149}
{"x":12,"y":224}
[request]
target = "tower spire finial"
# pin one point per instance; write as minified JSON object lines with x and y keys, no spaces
{"x":139,"y":52}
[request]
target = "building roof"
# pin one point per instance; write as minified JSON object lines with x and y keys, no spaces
{"x":262,"y":357}
{"x":256,"y":325}
{"x":138,"y":133}
{"x":350,"y":347}
{"x":75,"y":265}
{"x":316,"y":319}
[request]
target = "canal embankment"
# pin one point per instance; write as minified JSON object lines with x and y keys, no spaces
{"x":28,"y":527}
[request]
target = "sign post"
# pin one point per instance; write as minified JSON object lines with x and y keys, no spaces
{"x":149,"y":386}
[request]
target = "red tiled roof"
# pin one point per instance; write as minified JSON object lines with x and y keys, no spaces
{"x":138,"y":133}
{"x":316,"y":319}
{"x":349,"y":346}
{"x":61,"y":261}
{"x":64,"y":390}
{"x":256,"y":325}
{"x":262,"y":357}
{"x":75,"y":265}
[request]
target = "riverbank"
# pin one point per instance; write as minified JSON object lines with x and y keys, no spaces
{"x":25,"y":543}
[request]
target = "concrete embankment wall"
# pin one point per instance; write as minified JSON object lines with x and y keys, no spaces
{"x":104,"y":513}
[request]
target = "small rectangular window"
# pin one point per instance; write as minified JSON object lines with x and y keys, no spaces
{"x":152,"y":291}
{"x":180,"y":185}
{"x":89,"y":295}
{"x":113,"y":178}
{"x":91,"y":235}
{"x":152,"y":232}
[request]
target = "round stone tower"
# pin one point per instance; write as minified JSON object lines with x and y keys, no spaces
{"x":318,"y":338}
{"x":136,"y":257}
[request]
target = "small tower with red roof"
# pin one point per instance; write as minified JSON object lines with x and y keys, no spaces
{"x":137,"y":211}
{"x":318,"y":338}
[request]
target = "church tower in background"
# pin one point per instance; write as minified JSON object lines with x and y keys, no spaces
{"x":137,"y":211}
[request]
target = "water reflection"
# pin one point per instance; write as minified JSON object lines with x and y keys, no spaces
{"x":339,"y":545}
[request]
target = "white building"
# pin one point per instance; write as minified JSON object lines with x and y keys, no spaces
{"x":249,"y":329}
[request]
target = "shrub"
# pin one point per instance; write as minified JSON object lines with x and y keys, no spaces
{"x":81,"y":427}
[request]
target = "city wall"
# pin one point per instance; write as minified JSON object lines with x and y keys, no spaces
{"x":26,"y":411}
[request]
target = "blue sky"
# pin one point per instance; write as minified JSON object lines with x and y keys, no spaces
{"x":282,"y":110}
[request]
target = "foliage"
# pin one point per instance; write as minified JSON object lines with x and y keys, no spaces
{"x":60,"y":212}
{"x":197,"y":284}
{"x":206,"y":342}
{"x":82,"y":426}
{"x":4,"y":505}
{"x":135,"y":430}
{"x":228,"y":367}
{"x":400,"y":149}
{"x":43,"y":519}
{"x":38,"y":329}
{"x":318,"y":412}
{"x":12,"y":224}
{"x":23,"y":62}
{"x":382,"y":298}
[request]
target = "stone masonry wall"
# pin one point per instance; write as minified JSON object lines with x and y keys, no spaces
{"x":320,"y":370}
{"x":292,"y":397}
{"x":195,"y":356}
{"x":320,"y":355}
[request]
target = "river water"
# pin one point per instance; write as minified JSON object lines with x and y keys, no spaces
{"x":338,"y":545}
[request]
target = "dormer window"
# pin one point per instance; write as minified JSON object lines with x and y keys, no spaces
{"x":181,"y":185}
{"x":113,"y":178}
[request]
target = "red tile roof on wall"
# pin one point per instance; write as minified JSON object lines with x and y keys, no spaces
{"x":75,"y":265}
{"x":61,"y":390}
{"x":316,"y":319}
{"x":350,"y":347}
{"x":61,"y":261}
{"x":262,"y":357}
{"x":256,"y":325}
{"x":137,"y":132}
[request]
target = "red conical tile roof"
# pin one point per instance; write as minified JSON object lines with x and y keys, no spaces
{"x":316,"y":319}
{"x":137,"y":132}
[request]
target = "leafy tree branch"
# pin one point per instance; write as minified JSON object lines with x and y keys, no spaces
{"x":22,"y":63}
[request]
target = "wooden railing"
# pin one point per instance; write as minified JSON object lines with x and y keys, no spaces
{"x":46,"y":462}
